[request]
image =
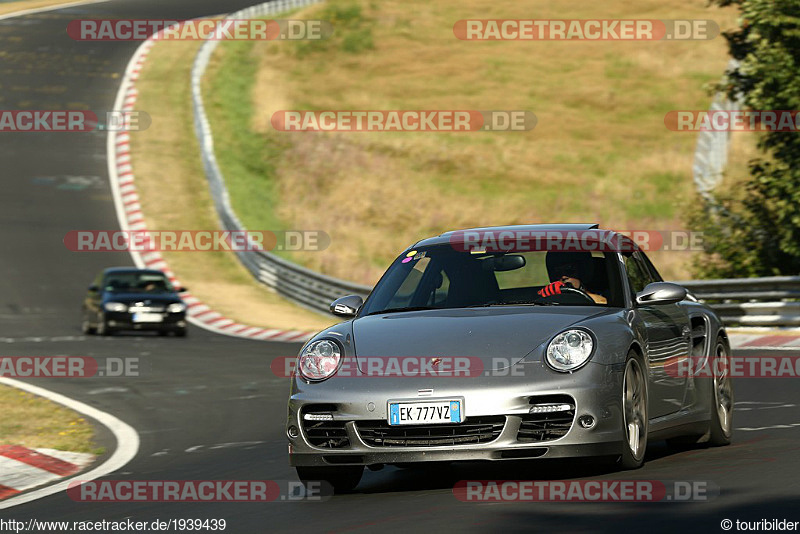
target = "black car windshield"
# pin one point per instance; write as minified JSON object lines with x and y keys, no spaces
{"x":440,"y":276}
{"x":137,"y":282}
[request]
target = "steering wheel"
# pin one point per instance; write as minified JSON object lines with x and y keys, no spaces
{"x":569,"y":295}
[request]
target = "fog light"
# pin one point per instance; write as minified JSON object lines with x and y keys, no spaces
{"x":318,"y":417}
{"x":550,"y":408}
{"x":586,"y":421}
{"x":293,"y":432}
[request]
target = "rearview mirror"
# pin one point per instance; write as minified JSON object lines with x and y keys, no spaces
{"x":506,"y":262}
{"x":661,"y":293}
{"x":93,"y":288}
{"x":346,"y":306}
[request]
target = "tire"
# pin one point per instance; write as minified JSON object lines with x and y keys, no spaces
{"x":343,"y":479}
{"x":721,"y":425}
{"x":87,"y":329}
{"x":162,"y":333}
{"x":102,"y":327}
{"x":634,"y":413}
{"x":180,"y":332}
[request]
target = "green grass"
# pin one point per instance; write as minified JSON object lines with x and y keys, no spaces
{"x":35,"y":422}
{"x":599,"y":153}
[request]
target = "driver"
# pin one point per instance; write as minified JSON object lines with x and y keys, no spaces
{"x":570,"y":269}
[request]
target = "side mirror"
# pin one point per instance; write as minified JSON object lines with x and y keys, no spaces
{"x":93,"y":288}
{"x":347,"y":306}
{"x":661,"y":293}
{"x":181,"y":289}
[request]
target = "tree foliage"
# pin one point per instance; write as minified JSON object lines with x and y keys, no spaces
{"x":757,"y":231}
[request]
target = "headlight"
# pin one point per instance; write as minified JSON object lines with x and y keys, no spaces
{"x":115,"y":307}
{"x":176,"y":307}
{"x":319,"y":360}
{"x":569,"y":350}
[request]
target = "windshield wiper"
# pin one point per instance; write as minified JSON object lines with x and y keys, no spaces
{"x":514,"y":303}
{"x":406,"y":309}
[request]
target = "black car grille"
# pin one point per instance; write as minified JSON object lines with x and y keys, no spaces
{"x":538,"y":427}
{"x":474,"y":430}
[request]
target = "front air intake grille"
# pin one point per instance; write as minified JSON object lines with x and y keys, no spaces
{"x":324,"y":434}
{"x":547,"y":425}
{"x":475,"y":430}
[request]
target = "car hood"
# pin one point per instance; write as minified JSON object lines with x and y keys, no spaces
{"x":499,"y":336}
{"x":147,"y":298}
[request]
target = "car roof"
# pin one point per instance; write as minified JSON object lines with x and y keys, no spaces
{"x":446,"y":237}
{"x":112,"y":270}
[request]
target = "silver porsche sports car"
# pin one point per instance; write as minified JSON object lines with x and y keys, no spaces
{"x":519,"y":342}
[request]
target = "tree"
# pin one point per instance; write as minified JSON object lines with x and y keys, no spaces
{"x":758,"y":233}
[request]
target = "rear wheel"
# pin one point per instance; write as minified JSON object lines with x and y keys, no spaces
{"x":634,"y":411}
{"x":721,"y":402}
{"x":343,"y":479}
{"x":722,"y":399}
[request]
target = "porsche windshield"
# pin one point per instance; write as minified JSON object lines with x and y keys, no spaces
{"x":443,"y":277}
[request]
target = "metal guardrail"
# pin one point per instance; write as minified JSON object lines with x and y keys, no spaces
{"x":308,"y":288}
{"x":768,"y":301}
{"x":747,"y":302}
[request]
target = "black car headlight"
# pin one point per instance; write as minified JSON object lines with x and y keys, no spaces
{"x":115,"y":307}
{"x":176,"y":307}
{"x":319,"y":360}
{"x":570,"y":350}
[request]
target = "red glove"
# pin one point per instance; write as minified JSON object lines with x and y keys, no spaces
{"x":551,"y":289}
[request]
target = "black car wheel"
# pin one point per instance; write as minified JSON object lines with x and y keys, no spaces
{"x":102,"y":326}
{"x":181,"y":332}
{"x":634,"y":411}
{"x":87,"y":328}
{"x":343,"y":479}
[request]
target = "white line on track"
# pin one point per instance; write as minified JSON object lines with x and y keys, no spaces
{"x":126,"y":436}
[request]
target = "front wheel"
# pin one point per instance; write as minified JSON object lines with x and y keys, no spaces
{"x":102,"y":326}
{"x":87,"y":328}
{"x":343,"y":479}
{"x":634,"y":411}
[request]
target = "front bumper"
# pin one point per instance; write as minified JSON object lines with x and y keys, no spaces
{"x":595,"y":390}
{"x":124,"y":321}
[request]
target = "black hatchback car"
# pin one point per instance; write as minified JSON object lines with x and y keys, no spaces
{"x":126,"y":298}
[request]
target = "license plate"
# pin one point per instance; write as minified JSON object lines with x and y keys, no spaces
{"x":430,"y":412}
{"x":147,"y":318}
